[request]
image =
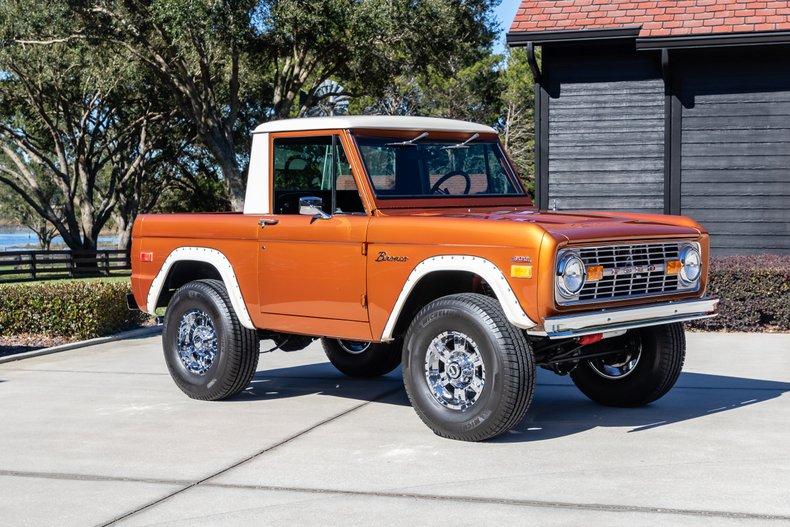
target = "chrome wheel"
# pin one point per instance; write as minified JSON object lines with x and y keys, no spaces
{"x":620,"y":365}
{"x":454,"y":370}
{"x":354,"y":347}
{"x":197,"y":341}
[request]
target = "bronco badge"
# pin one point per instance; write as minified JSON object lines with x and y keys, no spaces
{"x":384,"y":257}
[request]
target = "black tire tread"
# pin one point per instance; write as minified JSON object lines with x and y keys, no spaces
{"x":674,"y":340}
{"x":670,"y":342}
{"x":242,"y":355}
{"x":379,"y":359}
{"x":517,"y":353}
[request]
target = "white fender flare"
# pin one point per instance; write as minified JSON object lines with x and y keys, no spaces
{"x":473,"y":264}
{"x":212,"y":257}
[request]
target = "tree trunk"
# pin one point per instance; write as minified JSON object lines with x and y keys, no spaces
{"x":124,"y":234}
{"x":85,"y":263}
{"x":225,"y":154}
{"x":236,"y":185}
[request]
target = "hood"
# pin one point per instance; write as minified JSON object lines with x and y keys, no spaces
{"x":573,"y":226}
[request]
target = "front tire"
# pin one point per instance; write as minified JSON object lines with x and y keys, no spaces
{"x":645,"y":372}
{"x":209,"y":354}
{"x":468,"y":372}
{"x":362,"y":359}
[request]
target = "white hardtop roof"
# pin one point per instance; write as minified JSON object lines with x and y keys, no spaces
{"x":381,"y":122}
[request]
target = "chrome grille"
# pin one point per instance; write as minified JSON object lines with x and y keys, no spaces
{"x":629,"y":270}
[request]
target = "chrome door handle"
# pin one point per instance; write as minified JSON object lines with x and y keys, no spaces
{"x":263,"y":222}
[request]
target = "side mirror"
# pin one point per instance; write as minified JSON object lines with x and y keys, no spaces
{"x":313,"y":206}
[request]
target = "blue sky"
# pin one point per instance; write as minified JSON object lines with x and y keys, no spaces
{"x":505,"y":13}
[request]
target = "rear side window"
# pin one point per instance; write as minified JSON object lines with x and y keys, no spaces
{"x":313,"y":166}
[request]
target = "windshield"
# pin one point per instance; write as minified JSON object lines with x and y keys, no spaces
{"x":437,"y":168}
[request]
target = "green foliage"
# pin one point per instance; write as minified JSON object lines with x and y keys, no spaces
{"x":468,"y":92}
{"x":16,"y":211}
{"x":754,"y":293}
{"x":516,"y":124}
{"x":194,"y":185}
{"x":78,"y":309}
{"x":76,"y":117}
{"x":367,"y":45}
{"x":492,"y":89}
{"x":203,"y":74}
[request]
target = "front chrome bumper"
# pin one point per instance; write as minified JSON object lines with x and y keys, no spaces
{"x":605,"y":320}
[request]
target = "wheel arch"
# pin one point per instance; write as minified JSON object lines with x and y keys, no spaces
{"x":186,"y":264}
{"x":450,"y":274}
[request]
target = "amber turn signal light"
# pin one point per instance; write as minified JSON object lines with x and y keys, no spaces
{"x":594,"y":273}
{"x":521,"y":271}
{"x":673,"y":267}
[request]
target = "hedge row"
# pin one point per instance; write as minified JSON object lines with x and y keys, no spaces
{"x":77,"y":309}
{"x":754,"y":293}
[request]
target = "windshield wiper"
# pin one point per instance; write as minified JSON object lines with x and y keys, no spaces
{"x":461,"y":145}
{"x":410,"y":142}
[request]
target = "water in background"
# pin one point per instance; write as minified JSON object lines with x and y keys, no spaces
{"x":23,"y":239}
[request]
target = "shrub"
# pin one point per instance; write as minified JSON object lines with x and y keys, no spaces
{"x":754,"y":292}
{"x":77,"y":308}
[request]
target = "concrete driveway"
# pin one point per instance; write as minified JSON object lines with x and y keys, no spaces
{"x":101,"y":435}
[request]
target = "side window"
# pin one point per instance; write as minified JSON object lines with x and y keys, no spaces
{"x":313,"y":166}
{"x":346,"y":193}
{"x":380,"y":162}
{"x":498,"y":180}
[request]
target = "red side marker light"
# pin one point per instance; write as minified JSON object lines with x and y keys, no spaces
{"x":590,"y":339}
{"x":146,"y":257}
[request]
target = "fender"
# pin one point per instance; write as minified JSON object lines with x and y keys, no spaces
{"x":212,"y":257}
{"x":473,"y":264}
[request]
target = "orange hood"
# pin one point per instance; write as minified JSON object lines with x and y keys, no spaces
{"x":575,"y":226}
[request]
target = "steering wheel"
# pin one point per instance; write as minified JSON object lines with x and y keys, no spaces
{"x":435,"y":188}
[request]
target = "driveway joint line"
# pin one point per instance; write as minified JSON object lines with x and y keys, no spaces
{"x":602,"y":507}
{"x":89,"y":477}
{"x":49,"y":370}
{"x":247,"y":459}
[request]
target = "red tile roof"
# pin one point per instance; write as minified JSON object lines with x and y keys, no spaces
{"x":656,"y":18}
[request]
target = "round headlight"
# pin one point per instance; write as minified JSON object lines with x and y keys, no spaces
{"x":570,"y":275}
{"x":690,"y":264}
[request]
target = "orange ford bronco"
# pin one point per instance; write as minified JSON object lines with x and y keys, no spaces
{"x":410,"y":240}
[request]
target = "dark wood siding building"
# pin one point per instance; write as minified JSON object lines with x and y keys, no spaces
{"x":692,"y":123}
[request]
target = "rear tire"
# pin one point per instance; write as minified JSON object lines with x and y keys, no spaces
{"x":209,"y":354}
{"x":362,"y":359}
{"x":468,"y":372}
{"x":612,"y":381}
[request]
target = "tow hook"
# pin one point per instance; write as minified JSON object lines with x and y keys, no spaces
{"x":586,"y":340}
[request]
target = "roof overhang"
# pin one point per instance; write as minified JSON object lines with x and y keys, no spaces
{"x":521,"y":38}
{"x":751,"y":38}
{"x":714,"y":40}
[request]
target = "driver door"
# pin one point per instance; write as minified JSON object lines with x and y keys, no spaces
{"x":310,"y":266}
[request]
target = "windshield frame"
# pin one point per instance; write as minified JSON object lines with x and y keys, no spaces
{"x":521,"y":198}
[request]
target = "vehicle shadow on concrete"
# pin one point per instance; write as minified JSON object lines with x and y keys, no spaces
{"x":320,"y":379}
{"x":6,"y":351}
{"x":558,"y":408}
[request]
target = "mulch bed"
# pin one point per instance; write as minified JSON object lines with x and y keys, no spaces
{"x":9,"y":345}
